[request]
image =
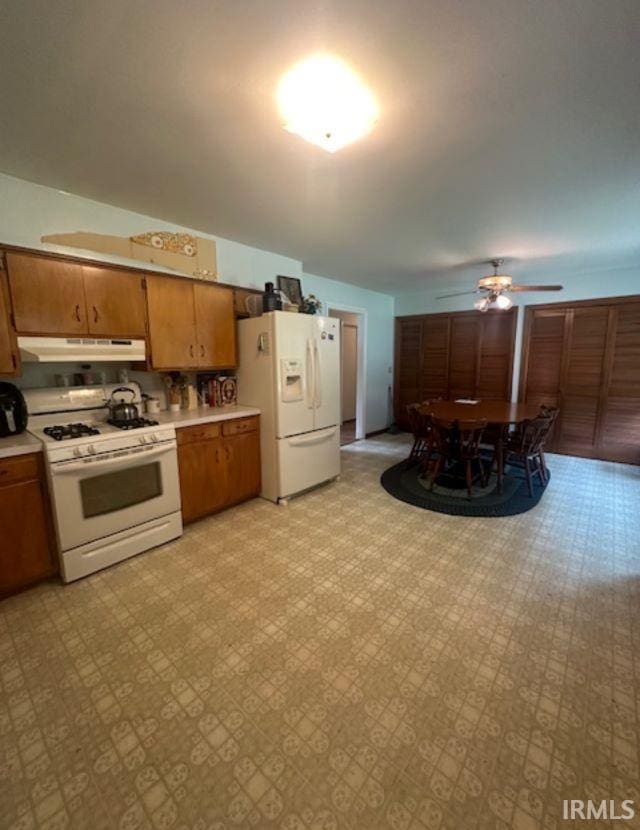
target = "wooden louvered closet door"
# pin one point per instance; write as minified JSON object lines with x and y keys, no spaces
{"x":435,"y":357}
{"x":408,"y":363}
{"x":457,"y":355}
{"x":619,"y":438}
{"x":463,"y":356}
{"x":585,"y":359}
{"x":582,"y":377}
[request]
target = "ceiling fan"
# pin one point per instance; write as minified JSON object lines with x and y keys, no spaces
{"x":493,"y":290}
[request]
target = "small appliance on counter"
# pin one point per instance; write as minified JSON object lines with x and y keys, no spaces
{"x":271,"y":300}
{"x":13,"y":410}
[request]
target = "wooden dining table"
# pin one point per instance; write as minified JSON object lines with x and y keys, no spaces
{"x":501,"y":414}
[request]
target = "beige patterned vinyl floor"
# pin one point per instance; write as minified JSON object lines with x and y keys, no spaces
{"x":346,"y":662}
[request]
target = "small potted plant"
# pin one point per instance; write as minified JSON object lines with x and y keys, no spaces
{"x":311,"y":304}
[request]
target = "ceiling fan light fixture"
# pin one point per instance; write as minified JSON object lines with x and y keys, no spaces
{"x":323,"y":100}
{"x":482,"y":304}
{"x":502,"y":302}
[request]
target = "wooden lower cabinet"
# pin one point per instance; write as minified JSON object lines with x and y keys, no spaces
{"x":26,"y":549}
{"x":219,"y":465}
{"x":242,"y":457}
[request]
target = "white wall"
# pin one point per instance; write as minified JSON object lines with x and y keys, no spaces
{"x":576,"y":286}
{"x":378,"y":311}
{"x":29,"y":211}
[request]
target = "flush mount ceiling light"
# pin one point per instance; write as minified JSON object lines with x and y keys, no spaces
{"x":325,"y":102}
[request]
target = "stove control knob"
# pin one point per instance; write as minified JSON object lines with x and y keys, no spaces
{"x":154,"y":438}
{"x":91,"y":449}
{"x":77,"y":452}
{"x":142,"y":439}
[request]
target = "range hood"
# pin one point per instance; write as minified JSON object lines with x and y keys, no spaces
{"x":79,"y":349}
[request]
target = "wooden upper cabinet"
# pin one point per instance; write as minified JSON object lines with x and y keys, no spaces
{"x":172,"y":323}
{"x":215,"y":325}
{"x":47,"y":295}
{"x":9,"y":355}
{"x":115,"y":302}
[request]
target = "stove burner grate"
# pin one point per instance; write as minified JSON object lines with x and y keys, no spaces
{"x":133,"y":423}
{"x":66,"y":432}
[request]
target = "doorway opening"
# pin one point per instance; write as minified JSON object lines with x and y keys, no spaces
{"x":352,"y":372}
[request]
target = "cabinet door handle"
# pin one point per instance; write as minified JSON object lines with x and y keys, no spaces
{"x":201,"y":350}
{"x":217,"y":457}
{"x":96,"y":316}
{"x":191,"y":350}
{"x":76,"y":313}
{"x":228,"y":454}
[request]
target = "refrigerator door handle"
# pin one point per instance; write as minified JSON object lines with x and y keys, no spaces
{"x":312,"y":438}
{"x":311,"y":377}
{"x":317,"y":376}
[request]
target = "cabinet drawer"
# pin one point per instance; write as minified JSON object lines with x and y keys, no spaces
{"x":203,"y":432}
{"x":19,"y":468}
{"x":240,"y":425}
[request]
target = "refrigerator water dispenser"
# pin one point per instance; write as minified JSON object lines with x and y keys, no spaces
{"x":291,"y":371}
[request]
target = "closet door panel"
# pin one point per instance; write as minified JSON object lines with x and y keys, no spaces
{"x":463,"y":356}
{"x":582,"y":379}
{"x":496,"y":349}
{"x":544,"y":368}
{"x":407,"y":367}
{"x":620,"y":431}
{"x":435,"y":357}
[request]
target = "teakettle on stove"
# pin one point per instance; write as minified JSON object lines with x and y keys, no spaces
{"x":13,"y":410}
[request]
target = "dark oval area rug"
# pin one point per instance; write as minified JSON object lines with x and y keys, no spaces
{"x":404,"y":481}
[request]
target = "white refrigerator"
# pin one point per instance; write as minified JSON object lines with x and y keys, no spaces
{"x":289,"y":368}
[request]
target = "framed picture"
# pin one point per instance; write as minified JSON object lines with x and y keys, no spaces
{"x":291,"y":288}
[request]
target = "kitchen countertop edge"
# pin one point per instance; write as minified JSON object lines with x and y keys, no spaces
{"x":203,"y":415}
{"x":25,"y":443}
{"x":22,"y":444}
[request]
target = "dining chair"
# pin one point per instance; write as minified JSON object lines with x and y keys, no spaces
{"x":551,"y":412}
{"x":459,"y":441}
{"x":526,"y":448}
{"x":421,"y":427}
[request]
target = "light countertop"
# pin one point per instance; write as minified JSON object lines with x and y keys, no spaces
{"x":202,"y":415}
{"x":25,"y":443}
{"x":21,"y":444}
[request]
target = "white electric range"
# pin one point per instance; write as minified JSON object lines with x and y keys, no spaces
{"x":115,"y":492}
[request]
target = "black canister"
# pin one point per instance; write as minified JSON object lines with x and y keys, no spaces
{"x":271,"y":298}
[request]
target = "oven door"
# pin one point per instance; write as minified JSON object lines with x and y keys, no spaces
{"x":96,"y":497}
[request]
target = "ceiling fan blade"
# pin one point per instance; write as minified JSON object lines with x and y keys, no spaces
{"x":535,"y":288}
{"x":455,"y":294}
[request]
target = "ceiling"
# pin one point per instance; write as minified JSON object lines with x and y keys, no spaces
{"x":508,"y":127}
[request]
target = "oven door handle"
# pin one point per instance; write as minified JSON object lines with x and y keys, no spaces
{"x":112,"y":462}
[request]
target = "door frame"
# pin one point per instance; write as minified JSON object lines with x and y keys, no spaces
{"x":361,"y":364}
